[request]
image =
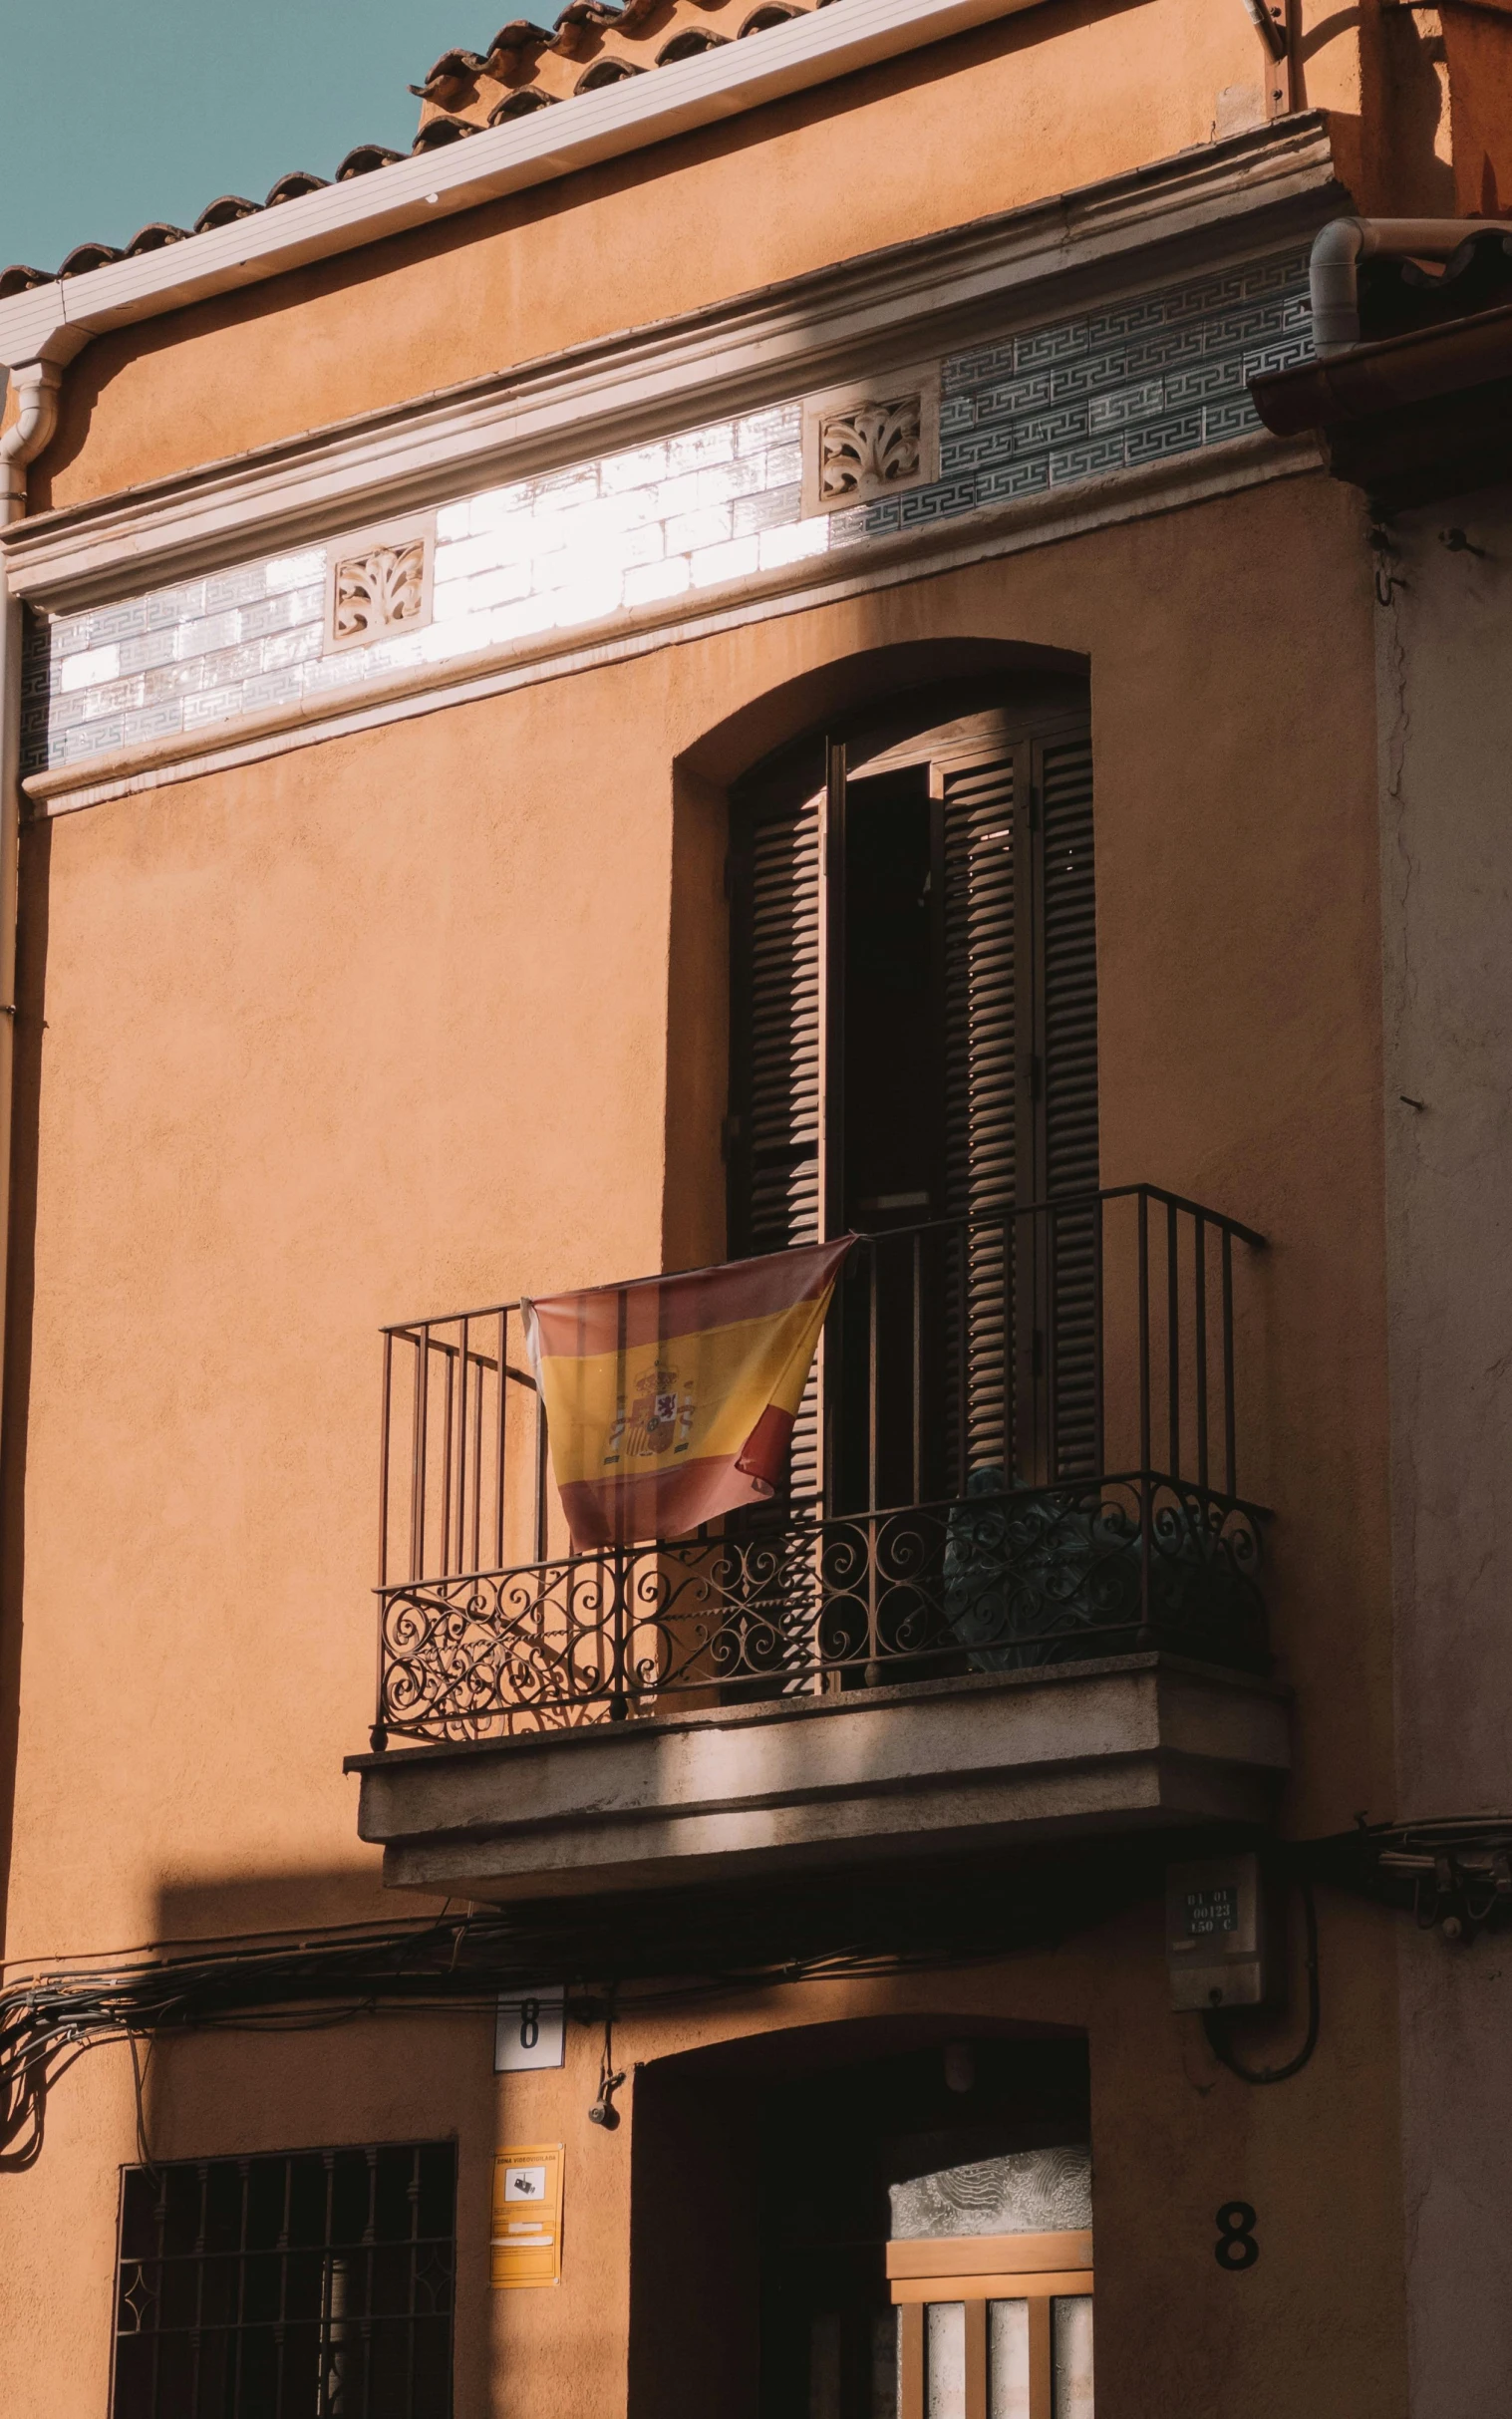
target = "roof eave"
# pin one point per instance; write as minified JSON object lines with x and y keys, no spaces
{"x":1411,"y":419}
{"x":54,"y":322}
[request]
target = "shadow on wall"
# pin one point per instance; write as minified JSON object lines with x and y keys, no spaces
{"x":27,"y":1030}
{"x":316,"y":2078}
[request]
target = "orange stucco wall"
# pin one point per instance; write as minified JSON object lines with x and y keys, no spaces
{"x":380,"y":1027}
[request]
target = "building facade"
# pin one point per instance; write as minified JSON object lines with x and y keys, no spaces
{"x":732,"y":651}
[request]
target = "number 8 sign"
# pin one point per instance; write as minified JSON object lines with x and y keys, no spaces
{"x":531,"y":2029}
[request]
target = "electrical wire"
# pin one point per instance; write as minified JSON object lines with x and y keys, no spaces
{"x":1215,"y":2024}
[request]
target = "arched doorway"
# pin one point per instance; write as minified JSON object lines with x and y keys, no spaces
{"x":889,"y":2220}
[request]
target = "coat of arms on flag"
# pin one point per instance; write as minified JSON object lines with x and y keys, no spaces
{"x":671,"y":1400}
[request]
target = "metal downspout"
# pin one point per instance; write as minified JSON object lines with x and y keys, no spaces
{"x":1340,"y":246}
{"x":37,"y":388}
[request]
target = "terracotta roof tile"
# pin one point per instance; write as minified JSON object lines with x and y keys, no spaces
{"x":86,"y":256}
{"x":154,"y":236}
{"x":365,"y":159}
{"x":225,"y":211}
{"x":294,"y":188}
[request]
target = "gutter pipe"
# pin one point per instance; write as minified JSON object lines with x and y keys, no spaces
{"x":1339,"y":247}
{"x":37,"y":388}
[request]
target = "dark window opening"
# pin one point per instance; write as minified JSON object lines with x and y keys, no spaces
{"x":914,"y":1055}
{"x":308,"y":2284}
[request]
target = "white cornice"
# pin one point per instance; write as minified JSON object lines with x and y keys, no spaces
{"x":54,"y":322}
{"x":1225,"y":201}
{"x":1174,"y":485}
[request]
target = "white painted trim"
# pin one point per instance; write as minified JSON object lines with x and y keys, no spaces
{"x":56,"y":321}
{"x":1228,"y":200}
{"x":1013,"y":528}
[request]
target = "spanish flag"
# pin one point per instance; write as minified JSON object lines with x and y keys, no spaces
{"x":671,"y":1400}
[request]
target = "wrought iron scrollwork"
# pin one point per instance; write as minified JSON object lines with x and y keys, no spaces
{"x":1000,"y":1579}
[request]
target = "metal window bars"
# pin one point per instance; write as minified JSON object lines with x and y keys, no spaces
{"x":1030,"y":1454}
{"x":306,"y":2284}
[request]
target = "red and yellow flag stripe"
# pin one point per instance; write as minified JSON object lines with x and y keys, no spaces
{"x":671,"y":1400}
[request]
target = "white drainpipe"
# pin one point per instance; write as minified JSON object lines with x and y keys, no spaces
{"x":36,"y":389}
{"x":1345,"y":242}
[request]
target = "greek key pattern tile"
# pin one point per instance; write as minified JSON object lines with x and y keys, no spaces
{"x":1157,"y":375}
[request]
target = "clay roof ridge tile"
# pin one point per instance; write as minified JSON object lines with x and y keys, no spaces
{"x":154,"y":236}
{"x":19,"y":279}
{"x":224,"y":212}
{"x":86,"y":256}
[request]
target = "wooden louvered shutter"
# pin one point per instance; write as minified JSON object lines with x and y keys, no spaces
{"x":1069,"y":1052}
{"x":1019,"y":989}
{"x":774,"y":1158}
{"x":981,"y":976}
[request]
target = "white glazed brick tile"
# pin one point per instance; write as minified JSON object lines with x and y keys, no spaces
{"x":208,"y":636}
{"x":154,"y":721}
{"x":680,"y":494}
{"x":114,"y":697}
{"x":480,"y":593}
{"x":216,"y":706}
{"x":471,"y":555}
{"x":654,"y":581}
{"x":307,"y":604}
{"x":723,"y":481}
{"x":68,"y":634}
{"x":793,"y":543}
{"x":389,"y":655}
{"x":589,"y":600}
{"x":509,"y":623}
{"x":296,"y":570}
{"x":566,"y":488}
{"x":332,"y":672}
{"x":699,"y":447}
{"x":444,"y":638}
{"x":146,"y":652}
{"x":291,"y":647}
{"x":608,"y":516}
{"x":271,"y":689}
{"x":487,"y":510}
{"x":691,"y":532}
{"x":641,"y":467}
{"x":736,"y":560}
{"x":88,"y":671}
{"x":779,"y":425}
{"x":640,"y":547}
{"x":784,"y":465}
{"x":456,"y":520}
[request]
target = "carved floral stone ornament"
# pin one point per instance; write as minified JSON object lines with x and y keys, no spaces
{"x":864,"y":444}
{"x":863,"y":452}
{"x":378,"y":584}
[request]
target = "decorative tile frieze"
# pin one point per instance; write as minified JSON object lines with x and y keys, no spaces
{"x":865,"y":442}
{"x":693,"y":513}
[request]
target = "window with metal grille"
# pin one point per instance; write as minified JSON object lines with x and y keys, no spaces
{"x":309,"y":2285}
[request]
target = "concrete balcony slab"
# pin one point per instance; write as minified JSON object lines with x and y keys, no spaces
{"x":1143,"y":1741}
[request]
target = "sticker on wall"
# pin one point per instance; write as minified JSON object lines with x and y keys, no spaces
{"x":527,"y":2215}
{"x":532,"y":2030}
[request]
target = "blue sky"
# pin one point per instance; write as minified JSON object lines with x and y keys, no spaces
{"x":116,"y":112}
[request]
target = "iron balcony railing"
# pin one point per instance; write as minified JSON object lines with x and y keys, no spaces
{"x":1020,"y":1446}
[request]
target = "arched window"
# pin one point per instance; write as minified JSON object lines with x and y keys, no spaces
{"x":914,"y":1054}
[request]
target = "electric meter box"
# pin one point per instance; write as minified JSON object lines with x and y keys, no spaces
{"x":1218,"y":1949}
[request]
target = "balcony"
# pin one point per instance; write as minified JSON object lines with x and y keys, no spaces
{"x":1013,"y":1588}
